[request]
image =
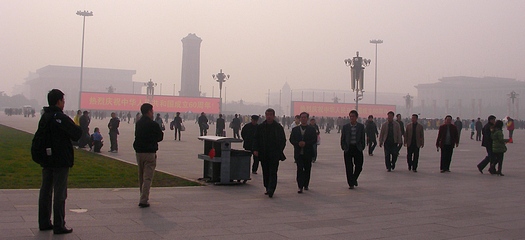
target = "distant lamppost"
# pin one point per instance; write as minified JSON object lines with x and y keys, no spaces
{"x":150,"y":89}
{"x":357,"y":65}
{"x":84,"y":14}
{"x":408,"y":102}
{"x":513,"y":97}
{"x":220,"y":78}
{"x":375,"y":41}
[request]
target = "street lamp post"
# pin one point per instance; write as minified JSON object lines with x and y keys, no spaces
{"x":84,"y":14}
{"x":220,"y":77}
{"x":375,"y":41}
{"x":357,"y":65}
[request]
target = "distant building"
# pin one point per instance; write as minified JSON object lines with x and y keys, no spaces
{"x":191,"y":47}
{"x":469,"y":97}
{"x":67,"y":79}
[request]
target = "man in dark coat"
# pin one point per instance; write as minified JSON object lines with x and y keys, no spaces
{"x":303,"y":138}
{"x":459,"y":125}
{"x":236,"y":125}
{"x":247,"y":134}
{"x":479,"y":128}
{"x":113,"y":126}
{"x":84,"y":121}
{"x":487,"y":143}
{"x":353,"y":144}
{"x":371,"y":135}
{"x":203,"y":124}
{"x":220,"y":125}
{"x":447,"y":138}
{"x":268,"y":144}
{"x":55,"y":169}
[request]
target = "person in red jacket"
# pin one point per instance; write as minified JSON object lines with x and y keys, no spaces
{"x":510,"y":127}
{"x":447,"y":138}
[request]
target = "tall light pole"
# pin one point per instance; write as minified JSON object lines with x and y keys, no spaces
{"x":84,"y":14}
{"x":220,"y":77}
{"x":357,"y":65}
{"x":375,"y":41}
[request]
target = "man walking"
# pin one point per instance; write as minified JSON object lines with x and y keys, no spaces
{"x":303,"y":138}
{"x":479,"y":127}
{"x":203,"y":124}
{"x":268,"y":144}
{"x":459,"y":125}
{"x":414,"y":140}
{"x":176,"y":125}
{"x":113,"y":125}
{"x":60,"y":130}
{"x":391,"y":137}
{"x":220,"y":124}
{"x":147,"y":136}
{"x":487,"y":143}
{"x":247,"y":134}
{"x":447,"y":138}
{"x":353,"y":144}
{"x":236,"y":125}
{"x":371,"y":135}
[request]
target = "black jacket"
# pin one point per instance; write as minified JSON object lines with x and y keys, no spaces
{"x":360,"y":138}
{"x":113,"y":125}
{"x":309,"y":137}
{"x":147,"y":135}
{"x":247,"y":134}
{"x":371,"y":129}
{"x":220,"y":124}
{"x":63,"y":130}
{"x":486,"y":141}
{"x":270,"y":141}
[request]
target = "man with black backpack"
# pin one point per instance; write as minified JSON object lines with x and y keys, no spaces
{"x":53,"y":150}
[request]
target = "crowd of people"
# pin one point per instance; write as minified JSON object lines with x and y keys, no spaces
{"x":264,"y":137}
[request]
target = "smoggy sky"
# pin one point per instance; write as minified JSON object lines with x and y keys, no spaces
{"x":263,"y":44}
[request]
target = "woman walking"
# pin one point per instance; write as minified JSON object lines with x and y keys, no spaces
{"x":498,"y":147}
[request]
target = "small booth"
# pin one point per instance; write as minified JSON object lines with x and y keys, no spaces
{"x":228,"y":166}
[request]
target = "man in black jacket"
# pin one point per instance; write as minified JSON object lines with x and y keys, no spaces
{"x":55,"y":168}
{"x":303,"y":138}
{"x":147,"y":136}
{"x":219,"y":126}
{"x":487,"y":143}
{"x":203,"y":124}
{"x":247,"y":134}
{"x":113,"y":125}
{"x":353,"y":144}
{"x":268,"y":144}
{"x":84,"y":125}
{"x":371,"y":135}
{"x":236,"y":125}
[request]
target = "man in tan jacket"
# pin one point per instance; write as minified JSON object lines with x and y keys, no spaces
{"x":391,"y":137}
{"x":414,"y":140}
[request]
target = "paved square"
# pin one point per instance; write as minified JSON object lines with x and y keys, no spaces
{"x":462,"y":204}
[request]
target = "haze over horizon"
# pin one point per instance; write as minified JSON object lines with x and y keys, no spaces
{"x":263,"y":44}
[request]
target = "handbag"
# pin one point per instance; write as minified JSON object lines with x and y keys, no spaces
{"x":182,"y":127}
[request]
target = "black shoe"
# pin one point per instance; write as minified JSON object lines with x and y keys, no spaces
{"x":50,"y":227}
{"x":393,"y":166}
{"x":143,"y":205}
{"x":300,"y":190}
{"x":355,"y":183}
{"x":64,"y":230}
{"x":270,"y":194}
{"x":351,"y":187}
{"x":409,"y":168}
{"x":306,"y":188}
{"x":480,"y":170}
{"x":388,"y":170}
{"x":414,"y":170}
{"x":442,"y":171}
{"x":266,"y":193}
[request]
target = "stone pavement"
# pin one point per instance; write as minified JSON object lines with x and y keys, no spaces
{"x":462,"y":204}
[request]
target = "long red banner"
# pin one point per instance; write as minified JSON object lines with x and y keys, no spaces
{"x":341,"y":109}
{"x":132,"y":102}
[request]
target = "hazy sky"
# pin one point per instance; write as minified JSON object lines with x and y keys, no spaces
{"x":263,"y":44}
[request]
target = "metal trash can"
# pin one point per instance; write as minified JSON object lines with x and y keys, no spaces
{"x":228,"y":166}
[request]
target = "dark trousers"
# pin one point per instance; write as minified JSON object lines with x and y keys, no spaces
{"x":412,"y":156}
{"x":269,"y":169}
{"x":177,"y":130}
{"x":391,"y":153}
{"x":54,"y":181}
{"x":97,"y":145}
{"x":255,"y":164}
{"x":304,"y":169}
{"x":478,"y":135}
{"x":314,"y":157}
{"x":471,"y":135}
{"x":510,"y":133}
{"x":353,"y":164}
{"x":498,"y":160}
{"x":446,"y":157}
{"x":488,"y":159}
{"x":113,"y":140}
{"x":371,"y":143}
{"x":203,"y":131}
{"x":219,"y":132}
{"x":236,"y":133}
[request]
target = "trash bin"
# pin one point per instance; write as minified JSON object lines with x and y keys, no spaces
{"x":228,"y":166}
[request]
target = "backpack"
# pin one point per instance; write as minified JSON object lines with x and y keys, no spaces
{"x":41,"y":146}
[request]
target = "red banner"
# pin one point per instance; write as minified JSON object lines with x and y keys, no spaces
{"x":132,"y":102}
{"x":341,"y":109}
